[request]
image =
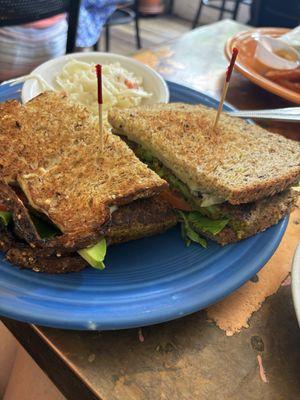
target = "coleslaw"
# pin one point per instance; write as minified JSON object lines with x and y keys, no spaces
{"x":120,"y":87}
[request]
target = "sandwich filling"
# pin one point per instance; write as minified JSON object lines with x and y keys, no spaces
{"x":141,"y":218}
{"x":196,"y":211}
{"x":94,"y":255}
{"x":208,"y":215}
{"x":240,"y":177}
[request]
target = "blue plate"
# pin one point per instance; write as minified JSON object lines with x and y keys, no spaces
{"x":146,"y":282}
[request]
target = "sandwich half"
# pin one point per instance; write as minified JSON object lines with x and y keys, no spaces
{"x":227,"y":185}
{"x":58,"y":192}
{"x":140,"y":218}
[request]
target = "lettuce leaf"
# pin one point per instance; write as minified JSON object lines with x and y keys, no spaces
{"x":194,"y":221}
{"x":213,"y":226}
{"x":187,"y":232}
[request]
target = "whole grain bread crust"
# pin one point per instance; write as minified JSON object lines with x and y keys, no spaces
{"x":51,"y":149}
{"x":239,"y":162}
{"x":25,"y":229}
{"x":259,"y":216}
{"x":22,"y":255}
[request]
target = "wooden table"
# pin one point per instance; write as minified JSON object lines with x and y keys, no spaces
{"x":189,"y":358}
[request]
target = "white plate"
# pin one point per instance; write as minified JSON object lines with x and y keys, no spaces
{"x":152,"y":81}
{"x":296,"y":282}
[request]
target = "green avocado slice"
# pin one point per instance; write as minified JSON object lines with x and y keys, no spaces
{"x":95,"y":255}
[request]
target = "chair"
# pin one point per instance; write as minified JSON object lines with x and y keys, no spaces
{"x":219,"y":5}
{"x":16,"y":12}
{"x":126,"y":12}
{"x":285,"y":14}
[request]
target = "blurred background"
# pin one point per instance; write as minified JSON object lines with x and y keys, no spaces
{"x":162,"y":20}
{"x":33,"y":31}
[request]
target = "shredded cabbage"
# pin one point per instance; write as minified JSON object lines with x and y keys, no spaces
{"x":121,"y":88}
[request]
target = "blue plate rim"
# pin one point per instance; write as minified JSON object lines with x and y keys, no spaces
{"x":249,"y":270}
{"x":130,"y":322}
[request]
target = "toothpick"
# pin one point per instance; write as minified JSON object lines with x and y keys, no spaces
{"x":225,"y":86}
{"x":100,"y":103}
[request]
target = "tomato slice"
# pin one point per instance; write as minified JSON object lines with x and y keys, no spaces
{"x":175,"y":200}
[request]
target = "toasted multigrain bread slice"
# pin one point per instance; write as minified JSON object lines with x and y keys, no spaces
{"x":20,"y":254}
{"x":250,"y":219}
{"x":238,"y":162}
{"x":51,"y":149}
{"x":143,"y":217}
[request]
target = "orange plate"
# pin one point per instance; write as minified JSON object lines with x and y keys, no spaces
{"x":250,"y":68}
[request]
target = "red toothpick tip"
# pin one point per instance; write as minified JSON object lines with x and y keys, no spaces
{"x":231,"y":65}
{"x":99,"y":82}
{"x":225,"y":86}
